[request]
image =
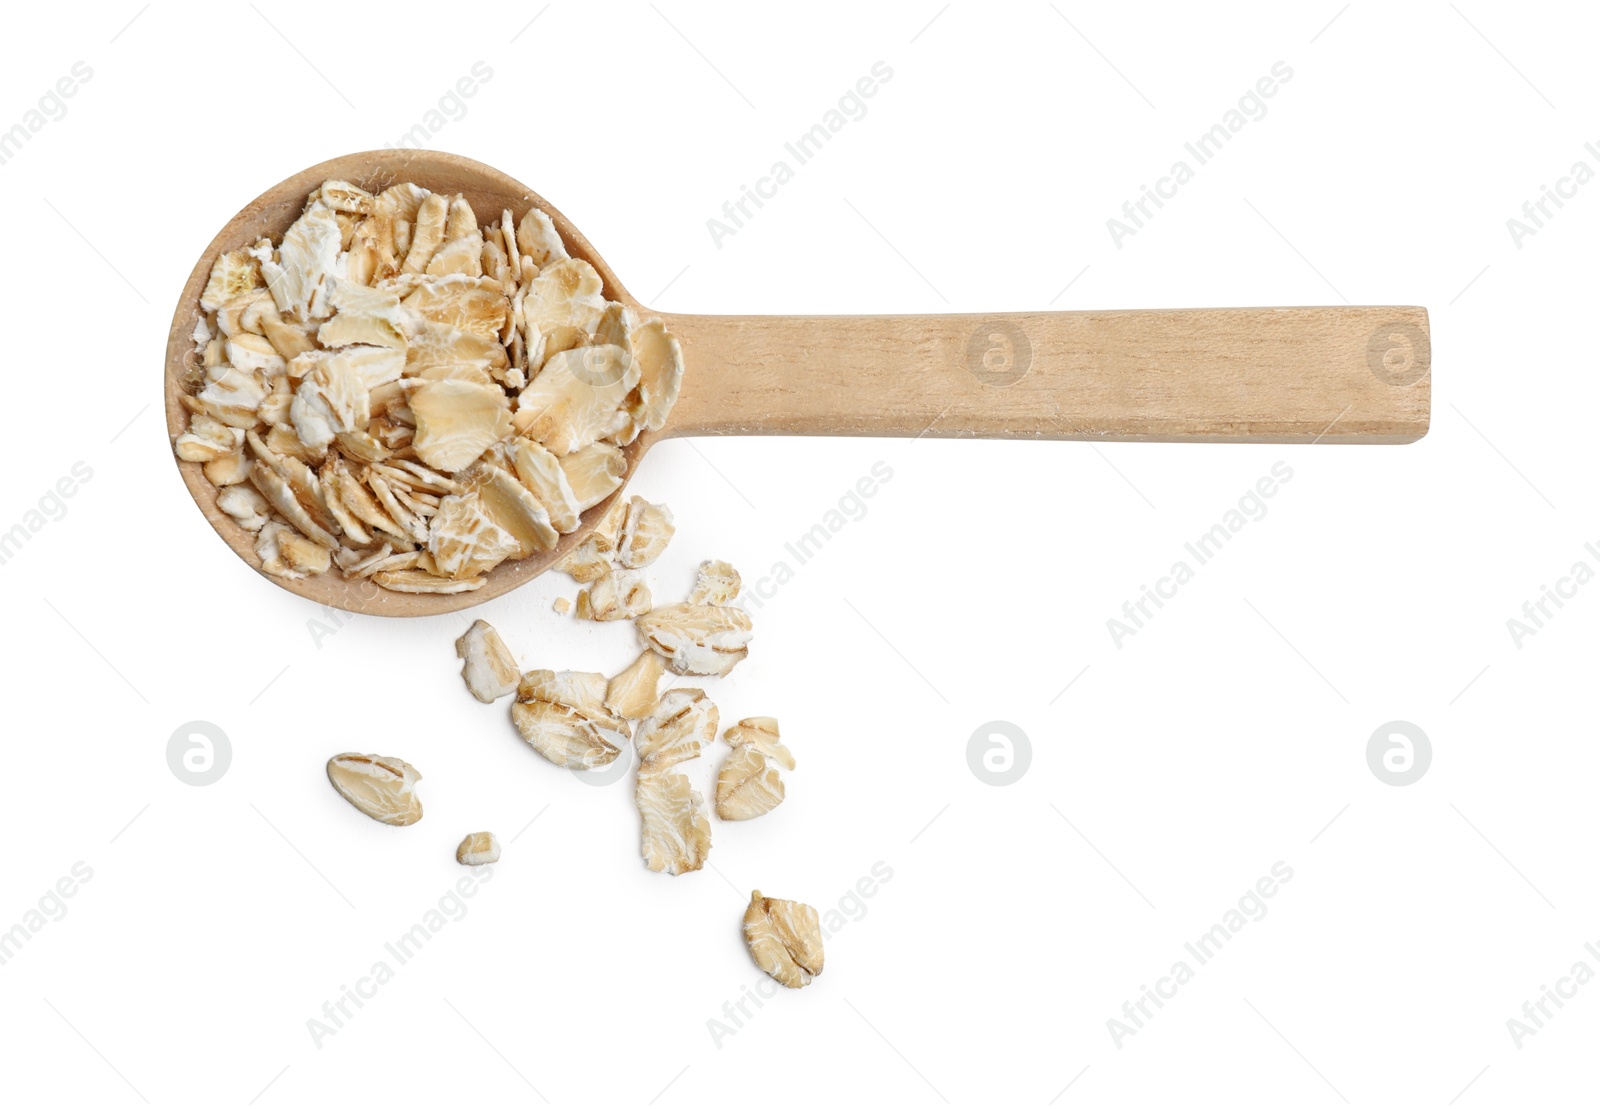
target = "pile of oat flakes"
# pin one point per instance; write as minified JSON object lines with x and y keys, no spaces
{"x":582,"y":720}
{"x":397,"y":391}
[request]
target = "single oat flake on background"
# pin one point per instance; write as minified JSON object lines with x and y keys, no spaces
{"x":379,"y":785}
{"x":785,"y":939}
{"x":487,"y":665}
{"x":478,"y":849}
{"x":716,"y":583}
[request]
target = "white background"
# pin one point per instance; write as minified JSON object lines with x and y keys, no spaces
{"x":1228,"y":735}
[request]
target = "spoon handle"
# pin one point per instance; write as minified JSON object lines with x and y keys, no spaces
{"x":1224,"y":375}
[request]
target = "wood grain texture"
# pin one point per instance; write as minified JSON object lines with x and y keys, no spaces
{"x":1283,"y":375}
{"x":1224,"y":375}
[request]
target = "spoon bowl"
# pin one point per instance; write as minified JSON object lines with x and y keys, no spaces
{"x":1344,"y":374}
{"x":269,"y":215}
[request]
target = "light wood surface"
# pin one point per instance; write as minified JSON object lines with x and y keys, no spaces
{"x":1228,"y":375}
{"x":1219,"y":375}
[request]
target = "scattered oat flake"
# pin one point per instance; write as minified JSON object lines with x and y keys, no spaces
{"x":632,"y":693}
{"x":715,"y":583}
{"x":697,"y":639}
{"x":682,"y":723}
{"x":746,"y":786}
{"x":618,"y":595}
{"x":675,"y":830}
{"x":646,"y":530}
{"x":579,"y":689}
{"x":675,"y":834}
{"x":591,"y":559}
{"x":562,"y":715}
{"x":378,"y":785}
{"x":487,"y":666}
{"x":785,"y":939}
{"x":760,"y":732}
{"x":478,"y":849}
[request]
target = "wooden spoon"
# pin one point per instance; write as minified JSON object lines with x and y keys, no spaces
{"x":1220,"y":375}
